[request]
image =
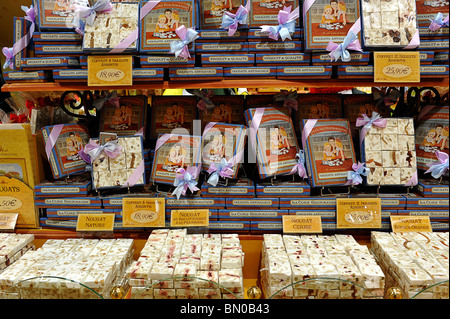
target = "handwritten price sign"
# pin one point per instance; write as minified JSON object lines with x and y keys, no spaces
{"x":110,"y":70}
{"x":397,"y":67}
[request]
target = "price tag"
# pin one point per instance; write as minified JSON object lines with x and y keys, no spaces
{"x":294,"y":224}
{"x":95,"y":222}
{"x":397,"y":67}
{"x":143,"y":212}
{"x":404,"y":224}
{"x":358,"y":213}
{"x":8,"y":221}
{"x":110,"y":70}
{"x":189,"y":218}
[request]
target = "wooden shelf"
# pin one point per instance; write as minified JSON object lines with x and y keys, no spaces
{"x":235,"y":83}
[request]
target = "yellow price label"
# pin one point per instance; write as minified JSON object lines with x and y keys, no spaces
{"x":358,"y":213}
{"x":404,"y":224}
{"x":95,"y":222}
{"x":143,"y":212}
{"x":189,"y":218}
{"x":397,"y":67}
{"x":110,"y":70}
{"x":294,"y":224}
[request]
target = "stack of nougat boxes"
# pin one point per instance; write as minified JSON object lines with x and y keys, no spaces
{"x":415,"y":262}
{"x":319,"y":267}
{"x":177,"y":265}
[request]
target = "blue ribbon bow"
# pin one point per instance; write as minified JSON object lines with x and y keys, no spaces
{"x":340,"y":50}
{"x":217,"y":170}
{"x":185,"y":179}
{"x":354,"y":177}
{"x":8,"y":53}
{"x":231,"y":21}
{"x":179,"y":47}
{"x":440,"y":167}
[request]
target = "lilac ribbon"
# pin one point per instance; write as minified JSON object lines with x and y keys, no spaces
{"x":367,"y":123}
{"x":309,"y":125}
{"x":186,"y":178}
{"x":216,"y":170}
{"x":300,"y":166}
{"x":162,"y":140}
{"x":223,"y":169}
{"x":133,"y":37}
{"x":90,"y":13}
{"x":180,"y":47}
{"x":230,"y":21}
{"x":256,"y":121}
{"x":8,"y":53}
{"x":413,"y":180}
{"x":52,"y":138}
{"x":289,"y":99}
{"x":414,"y":43}
{"x":354,"y":177}
{"x":286,"y":24}
{"x":134,"y":177}
{"x":337,"y":51}
{"x":24,"y":41}
{"x":438,"y":168}
{"x":438,"y":22}
{"x":111,"y":149}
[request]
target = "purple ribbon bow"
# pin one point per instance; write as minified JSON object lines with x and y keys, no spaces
{"x":184,"y":179}
{"x":367,"y":123}
{"x":300,"y":166}
{"x":438,"y":22}
{"x":286,"y":24}
{"x":440,"y":167}
{"x":111,"y":149}
{"x":180,"y":47}
{"x":230,"y":21}
{"x":30,"y":15}
{"x":216,"y":170}
{"x":354,"y":177}
{"x":8,"y":53}
{"x":340,"y":50}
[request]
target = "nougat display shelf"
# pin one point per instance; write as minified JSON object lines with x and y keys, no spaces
{"x":257,"y":83}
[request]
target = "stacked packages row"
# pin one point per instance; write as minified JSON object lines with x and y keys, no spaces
{"x":260,"y":43}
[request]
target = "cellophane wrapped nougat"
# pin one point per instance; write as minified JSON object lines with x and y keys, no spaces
{"x":68,"y":269}
{"x":176,"y":265}
{"x":415,"y":262}
{"x":319,"y":267}
{"x":109,"y":29}
{"x":388,"y":23}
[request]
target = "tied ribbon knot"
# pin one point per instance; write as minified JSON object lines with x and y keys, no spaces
{"x":367,"y":123}
{"x":438,"y":22}
{"x":438,"y":168}
{"x":354,"y":177}
{"x":289,"y":98}
{"x":222,"y":169}
{"x":184,"y":179}
{"x":341,"y":50}
{"x":180,"y":47}
{"x":8,"y":53}
{"x":300,"y":166}
{"x":230,"y":21}
{"x":286,"y":24}
{"x":86,"y":15}
{"x":18,"y":118}
{"x":111,"y":149}
{"x":205,"y":102}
